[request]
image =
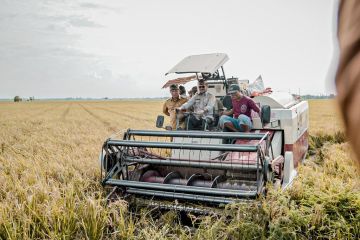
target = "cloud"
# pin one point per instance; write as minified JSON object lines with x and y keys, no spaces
{"x":61,"y":21}
{"x":56,"y":27}
{"x":89,"y":5}
{"x":96,"y":6}
{"x":7,"y":16}
{"x":78,"y":21}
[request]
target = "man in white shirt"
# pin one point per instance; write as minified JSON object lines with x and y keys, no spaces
{"x":202,"y":104}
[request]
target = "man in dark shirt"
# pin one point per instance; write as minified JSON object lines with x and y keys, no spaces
{"x":239,"y":117}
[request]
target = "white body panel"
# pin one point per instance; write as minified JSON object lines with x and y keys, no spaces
{"x":276,"y":144}
{"x":277,"y":100}
{"x":289,"y":170}
{"x":217,"y":89}
{"x":294,"y":120}
{"x":195,"y":154}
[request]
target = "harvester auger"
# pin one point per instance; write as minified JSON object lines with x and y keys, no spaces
{"x":209,"y":166}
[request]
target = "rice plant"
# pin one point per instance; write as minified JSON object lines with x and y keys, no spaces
{"x":49,"y":181}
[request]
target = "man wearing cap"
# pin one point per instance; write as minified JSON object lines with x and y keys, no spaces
{"x":202,"y":104}
{"x":239,"y":117}
{"x":172,"y":103}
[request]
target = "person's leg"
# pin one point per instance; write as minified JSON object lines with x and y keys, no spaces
{"x":190,"y":122}
{"x":206,"y":123}
{"x":194,"y":123}
{"x":228,"y":123}
{"x":186,"y":122}
{"x":189,"y":125}
{"x":244,"y":128}
{"x":245,"y":123}
{"x":223,"y":119}
{"x":230,"y":127}
{"x":198,"y":123}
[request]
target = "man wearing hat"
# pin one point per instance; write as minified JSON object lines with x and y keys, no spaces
{"x":172,"y":103}
{"x":239,"y":117}
{"x":202,"y":104}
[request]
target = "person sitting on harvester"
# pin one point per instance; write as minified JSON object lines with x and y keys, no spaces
{"x":172,"y":103}
{"x":182,"y":91}
{"x":239,"y":117}
{"x":202,"y":104}
{"x":192,"y":91}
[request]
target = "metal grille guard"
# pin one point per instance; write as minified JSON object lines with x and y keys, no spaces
{"x":220,"y":168}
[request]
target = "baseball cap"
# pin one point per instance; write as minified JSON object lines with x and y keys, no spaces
{"x":174,"y":87}
{"x":234,"y":88}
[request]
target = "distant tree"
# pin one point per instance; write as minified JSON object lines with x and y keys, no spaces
{"x":17,"y":99}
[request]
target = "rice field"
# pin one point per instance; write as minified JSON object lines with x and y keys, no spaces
{"x":49,"y":180}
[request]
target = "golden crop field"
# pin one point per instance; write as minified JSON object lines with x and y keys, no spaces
{"x":50,"y":180}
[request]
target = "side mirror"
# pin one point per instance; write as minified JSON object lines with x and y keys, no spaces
{"x":265,"y":114}
{"x":160,"y":121}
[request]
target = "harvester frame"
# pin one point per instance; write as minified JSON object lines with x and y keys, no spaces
{"x":120,"y":151}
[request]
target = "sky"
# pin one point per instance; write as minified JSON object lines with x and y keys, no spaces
{"x":122,"y":49}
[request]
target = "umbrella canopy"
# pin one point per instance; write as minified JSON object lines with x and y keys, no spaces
{"x":181,"y":80}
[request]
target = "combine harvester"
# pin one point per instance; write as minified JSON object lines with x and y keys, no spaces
{"x":207,"y":165}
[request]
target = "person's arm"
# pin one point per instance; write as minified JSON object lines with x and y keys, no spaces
{"x":188,"y":104}
{"x":229,"y":112}
{"x":166,"y":110}
{"x":254,"y":106}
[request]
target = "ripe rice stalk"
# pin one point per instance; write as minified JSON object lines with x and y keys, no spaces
{"x":50,"y":189}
